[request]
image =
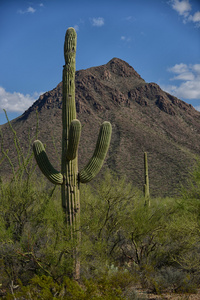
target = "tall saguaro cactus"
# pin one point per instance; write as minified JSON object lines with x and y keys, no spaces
{"x":69,"y":178}
{"x":146,"y":181}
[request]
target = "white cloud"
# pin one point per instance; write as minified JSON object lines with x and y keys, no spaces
{"x":28,"y":10}
{"x":178,"y":68}
{"x":182,"y":69}
{"x":186,"y":90}
{"x":41,"y":5}
{"x":183,"y":72}
{"x":195,"y":18}
{"x":189,"y":75}
{"x":184,"y":9}
{"x":184,"y":76}
{"x":126,"y":39}
{"x":76,"y":27}
{"x":31,"y":10}
{"x":16,"y":102}
{"x":129,"y":18}
{"x":98,"y":22}
{"x":196,"y":68}
{"x":197,"y":107}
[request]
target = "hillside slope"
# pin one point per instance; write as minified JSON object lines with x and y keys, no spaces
{"x":143,"y":117}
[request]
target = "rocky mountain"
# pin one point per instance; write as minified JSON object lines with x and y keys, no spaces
{"x":143,"y":117}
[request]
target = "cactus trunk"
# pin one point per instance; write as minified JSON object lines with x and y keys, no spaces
{"x":69,"y":178}
{"x":146,"y":181}
{"x":69,"y":168}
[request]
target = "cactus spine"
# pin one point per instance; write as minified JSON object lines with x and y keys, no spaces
{"x":69,"y":178}
{"x":146,"y":181}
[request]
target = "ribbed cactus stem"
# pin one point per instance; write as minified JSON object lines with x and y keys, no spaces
{"x":69,"y":167}
{"x":68,"y":98}
{"x":74,"y":138}
{"x":96,"y":162}
{"x":44,"y":164}
{"x":146,"y":181}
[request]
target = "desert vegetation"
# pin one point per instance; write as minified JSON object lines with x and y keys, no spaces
{"x":125,"y":244}
{"x":122,"y":239}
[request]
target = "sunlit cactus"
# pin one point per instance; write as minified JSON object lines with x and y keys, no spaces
{"x":69,"y":178}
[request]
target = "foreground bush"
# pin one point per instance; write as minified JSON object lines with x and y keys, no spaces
{"x":123,"y":243}
{"x":115,"y":287}
{"x":155,"y":246}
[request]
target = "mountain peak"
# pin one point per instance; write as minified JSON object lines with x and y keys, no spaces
{"x":122,"y":68}
{"x":144,"y":119}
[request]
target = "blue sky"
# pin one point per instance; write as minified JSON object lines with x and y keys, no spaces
{"x":160,"y":39}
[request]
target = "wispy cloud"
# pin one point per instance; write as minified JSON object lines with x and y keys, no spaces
{"x":197,"y":107}
{"x":183,"y":72}
{"x":16,"y":102}
{"x":76,"y":27}
{"x":195,"y":18}
{"x":184,"y":8}
{"x":98,"y":22}
{"x":125,"y":38}
{"x":189,"y":75}
{"x":30,"y":9}
{"x":129,"y":18}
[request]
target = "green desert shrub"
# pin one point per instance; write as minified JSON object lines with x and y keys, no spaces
{"x":104,"y":214}
{"x":119,"y":234}
{"x":175,"y":280}
{"x":44,"y":287}
{"x":32,"y":233}
{"x":123,"y":242}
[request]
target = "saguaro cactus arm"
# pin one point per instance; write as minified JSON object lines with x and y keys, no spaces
{"x":74,"y":138}
{"x":44,"y":164}
{"x":96,"y":161}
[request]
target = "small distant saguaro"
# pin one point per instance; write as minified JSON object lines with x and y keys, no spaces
{"x":69,"y":178}
{"x":146,"y":181}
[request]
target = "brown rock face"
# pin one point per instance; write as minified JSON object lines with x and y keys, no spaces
{"x":164,"y":104}
{"x":144,"y":119}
